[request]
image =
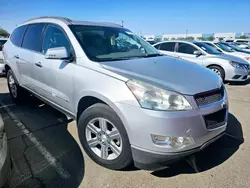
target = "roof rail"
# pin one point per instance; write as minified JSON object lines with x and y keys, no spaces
{"x":111,"y":23}
{"x":54,"y":17}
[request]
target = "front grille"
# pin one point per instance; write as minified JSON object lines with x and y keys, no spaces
{"x":216,"y":119}
{"x":209,"y":96}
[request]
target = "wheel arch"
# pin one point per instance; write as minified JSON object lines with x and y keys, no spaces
{"x":91,"y":98}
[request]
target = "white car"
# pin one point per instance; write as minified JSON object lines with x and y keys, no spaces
{"x":228,"y":67}
{"x":244,"y":46}
{"x":227,"y":50}
{"x":2,"y":42}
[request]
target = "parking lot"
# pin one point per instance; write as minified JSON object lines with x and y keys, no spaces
{"x":45,"y":151}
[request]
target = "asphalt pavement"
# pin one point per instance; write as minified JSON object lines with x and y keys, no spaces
{"x":45,"y":151}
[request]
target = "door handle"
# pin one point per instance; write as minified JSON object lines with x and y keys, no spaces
{"x":16,"y":56}
{"x":39,"y":64}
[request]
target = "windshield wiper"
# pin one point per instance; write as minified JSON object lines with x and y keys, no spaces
{"x":153,"y":55}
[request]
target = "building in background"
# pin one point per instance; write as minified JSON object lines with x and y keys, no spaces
{"x":225,"y":36}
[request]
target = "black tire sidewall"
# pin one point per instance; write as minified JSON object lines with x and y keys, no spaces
{"x":222,"y":72}
{"x":9,"y":73}
{"x":104,"y":111}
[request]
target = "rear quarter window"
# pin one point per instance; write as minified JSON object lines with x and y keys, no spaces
{"x":17,"y":35}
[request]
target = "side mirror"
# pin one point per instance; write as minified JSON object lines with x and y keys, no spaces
{"x":197,"y":53}
{"x":57,"y":53}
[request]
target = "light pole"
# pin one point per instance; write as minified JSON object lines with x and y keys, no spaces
{"x":186,"y":33}
{"x":122,"y":23}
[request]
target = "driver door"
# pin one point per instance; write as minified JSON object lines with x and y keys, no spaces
{"x":55,"y":76}
{"x":186,"y":51}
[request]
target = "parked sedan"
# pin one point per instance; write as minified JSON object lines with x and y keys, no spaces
{"x":228,"y":50}
{"x":4,"y":155}
{"x":228,"y":67}
{"x":235,"y":47}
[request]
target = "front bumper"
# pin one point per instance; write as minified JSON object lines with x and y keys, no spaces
{"x":153,"y":161}
{"x":141,"y":124}
{"x":233,"y":74}
{"x":5,"y":164}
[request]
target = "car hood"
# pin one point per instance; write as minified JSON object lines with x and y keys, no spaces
{"x":168,"y":73}
{"x":229,"y":58}
{"x":239,"y":54}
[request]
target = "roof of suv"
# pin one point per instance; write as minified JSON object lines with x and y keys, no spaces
{"x":55,"y":19}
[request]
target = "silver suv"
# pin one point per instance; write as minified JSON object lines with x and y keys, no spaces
{"x":131,"y":103}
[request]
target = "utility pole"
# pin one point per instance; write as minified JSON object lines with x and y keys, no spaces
{"x":186,"y":33}
{"x":122,"y":23}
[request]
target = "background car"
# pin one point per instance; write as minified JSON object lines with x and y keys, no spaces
{"x":235,"y":47}
{"x":244,"y":46}
{"x":229,"y":68}
{"x":4,"y":155}
{"x":2,"y":42}
{"x":228,"y":50}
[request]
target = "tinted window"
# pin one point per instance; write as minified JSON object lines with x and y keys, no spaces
{"x":186,"y":48}
{"x":54,"y":37}
{"x":17,"y":35}
{"x":2,"y":42}
{"x":207,"y":48}
{"x":32,"y":37}
{"x":168,"y":46}
{"x":157,"y":46}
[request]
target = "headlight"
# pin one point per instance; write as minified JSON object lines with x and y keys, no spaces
{"x":154,"y":98}
{"x":237,"y":65}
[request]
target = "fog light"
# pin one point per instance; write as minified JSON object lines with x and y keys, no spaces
{"x":172,"y":142}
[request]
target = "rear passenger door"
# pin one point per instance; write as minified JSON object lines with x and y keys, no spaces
{"x":168,"y":48}
{"x":29,"y":48}
{"x":54,"y":77}
{"x":186,"y":51}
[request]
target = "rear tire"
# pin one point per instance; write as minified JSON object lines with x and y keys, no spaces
{"x":17,"y":93}
{"x":117,"y":147}
{"x":219,"y":71}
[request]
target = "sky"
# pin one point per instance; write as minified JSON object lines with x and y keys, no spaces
{"x":144,"y":17}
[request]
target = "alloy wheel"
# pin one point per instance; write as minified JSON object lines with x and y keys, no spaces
{"x":103,"y":138}
{"x":216,"y":71}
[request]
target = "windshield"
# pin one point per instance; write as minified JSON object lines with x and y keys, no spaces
{"x":102,"y":43}
{"x":233,"y":46}
{"x":207,"y":48}
{"x":224,"y":47}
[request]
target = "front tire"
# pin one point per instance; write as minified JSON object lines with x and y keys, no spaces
{"x":104,"y":138}
{"x":17,"y":93}
{"x":219,"y":71}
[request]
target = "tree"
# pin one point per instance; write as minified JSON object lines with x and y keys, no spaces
{"x":189,"y":38}
{"x":210,"y":38}
{"x":201,"y":38}
{"x":4,"y":33}
{"x":243,"y":37}
{"x":166,"y":38}
{"x":173,"y":38}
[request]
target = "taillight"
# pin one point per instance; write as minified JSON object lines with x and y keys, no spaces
{"x":2,"y":46}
